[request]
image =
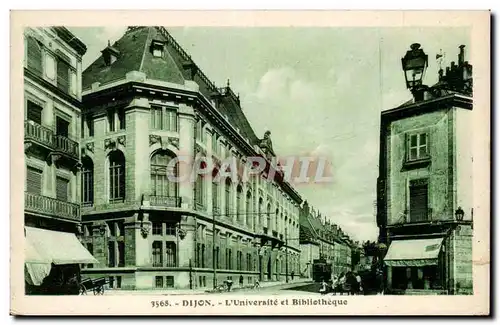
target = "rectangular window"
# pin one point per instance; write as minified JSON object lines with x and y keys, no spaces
{"x":199,"y":190}
{"x":157,"y":228}
{"x":111,"y":121}
{"x":62,"y":188}
{"x":90,"y":125}
{"x":34,"y":49}
{"x":170,"y":254}
{"x":121,"y":253}
{"x":118,"y":282}
{"x":156,"y":117}
{"x":62,"y":127}
{"x":215,"y":144}
{"x":111,"y":254}
{"x":121,"y":118}
{"x":170,"y":281}
{"x":417,"y":146}
{"x":215,"y":197}
{"x":419,"y":201}
{"x":158,"y":282}
{"x":157,"y":253}
{"x":34,"y":112}
{"x":34,"y":181}
{"x":63,"y":81}
{"x":170,"y":229}
{"x":170,"y":120}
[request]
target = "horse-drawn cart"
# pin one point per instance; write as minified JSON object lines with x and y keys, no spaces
{"x":96,"y":285}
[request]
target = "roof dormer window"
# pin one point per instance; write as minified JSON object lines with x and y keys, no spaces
{"x":157,"y":48}
{"x":110,"y":54}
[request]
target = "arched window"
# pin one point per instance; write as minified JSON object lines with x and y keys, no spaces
{"x":239,"y":203}
{"x":160,"y":171}
{"x":249,"y":212}
{"x":87,"y":181}
{"x":34,"y":50}
{"x":116,"y":176}
{"x":229,"y":199}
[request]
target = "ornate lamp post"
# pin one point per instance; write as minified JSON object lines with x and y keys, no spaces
{"x":414,"y":64}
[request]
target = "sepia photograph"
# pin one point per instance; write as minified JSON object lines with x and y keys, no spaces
{"x":250,"y":169}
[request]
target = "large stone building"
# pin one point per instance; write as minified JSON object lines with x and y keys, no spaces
{"x":146,"y":104}
{"x":321,"y":240}
{"x":52,"y":103}
{"x":425,"y":203}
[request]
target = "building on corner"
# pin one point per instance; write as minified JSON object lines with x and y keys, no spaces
{"x":425,"y":207}
{"x":146,"y":104}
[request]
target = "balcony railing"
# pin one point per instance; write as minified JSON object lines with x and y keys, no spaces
{"x":46,"y":137}
{"x":51,"y":206}
{"x":165,"y":201}
{"x":39,"y":133}
{"x":66,"y":145}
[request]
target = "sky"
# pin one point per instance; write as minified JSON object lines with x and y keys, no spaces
{"x":318,"y":90}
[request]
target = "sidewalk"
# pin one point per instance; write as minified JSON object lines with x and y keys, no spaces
{"x":199,"y":291}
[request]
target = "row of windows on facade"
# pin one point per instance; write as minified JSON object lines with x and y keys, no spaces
{"x":34,"y":115}
{"x":34,"y":184}
{"x":161,"y":118}
{"x":54,"y":67}
{"x":162,"y":186}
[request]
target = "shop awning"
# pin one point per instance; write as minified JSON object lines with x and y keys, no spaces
{"x":414,"y":252}
{"x":55,"y":247}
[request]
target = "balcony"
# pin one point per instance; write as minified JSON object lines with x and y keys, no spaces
{"x":46,"y":205}
{"x":165,"y":201}
{"x":39,"y":135}
{"x":66,"y":146}
{"x":45,"y":138}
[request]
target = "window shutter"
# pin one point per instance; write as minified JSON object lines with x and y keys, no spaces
{"x":34,"y":112}
{"x":62,"y":189}
{"x":34,"y":56}
{"x":63,"y":75}
{"x":34,"y":181}
{"x":418,"y":203}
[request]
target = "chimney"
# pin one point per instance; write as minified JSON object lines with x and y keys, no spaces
{"x":461,"y":55}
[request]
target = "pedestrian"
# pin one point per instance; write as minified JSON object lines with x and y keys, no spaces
{"x":359,"y":288}
{"x":323,"y":288}
{"x":293,"y":273}
{"x":229,"y":284}
{"x":241,"y":281}
{"x":257,"y":284}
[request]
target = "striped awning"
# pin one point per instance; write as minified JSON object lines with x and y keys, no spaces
{"x":414,"y":252}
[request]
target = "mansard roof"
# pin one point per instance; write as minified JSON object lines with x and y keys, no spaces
{"x":133,"y":53}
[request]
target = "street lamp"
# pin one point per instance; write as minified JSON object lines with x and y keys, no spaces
{"x":414,"y":65}
{"x":459,"y":214}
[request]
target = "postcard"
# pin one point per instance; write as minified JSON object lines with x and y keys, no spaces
{"x":250,"y":163}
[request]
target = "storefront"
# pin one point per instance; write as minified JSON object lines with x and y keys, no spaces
{"x":415,"y":265}
{"x":52,"y":261}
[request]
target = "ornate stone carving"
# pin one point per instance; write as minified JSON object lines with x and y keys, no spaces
{"x":121,"y":140}
{"x":199,"y":149}
{"x":90,"y":146}
{"x":109,"y":143}
{"x":174,"y":142}
{"x":153,"y":138}
{"x":266,"y":144}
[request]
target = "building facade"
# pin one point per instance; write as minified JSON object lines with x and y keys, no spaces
{"x":52,"y":103}
{"x":150,"y":112}
{"x":321,"y":240}
{"x":425,"y":203}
